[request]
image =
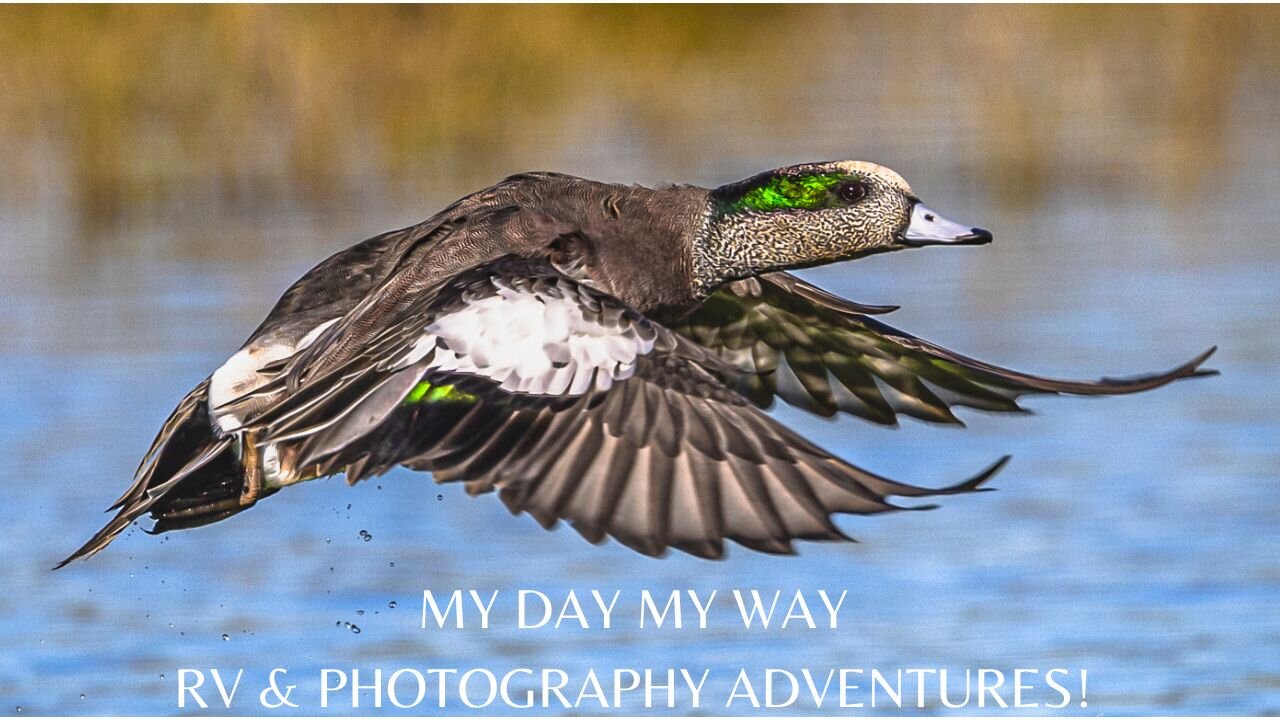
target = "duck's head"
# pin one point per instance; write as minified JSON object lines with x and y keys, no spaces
{"x":817,"y":213}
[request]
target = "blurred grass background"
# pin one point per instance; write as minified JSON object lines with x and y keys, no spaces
{"x":133,"y":108}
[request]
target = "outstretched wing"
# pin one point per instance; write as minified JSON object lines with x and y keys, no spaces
{"x":520,"y":379}
{"x":827,"y":355}
{"x":657,"y":466}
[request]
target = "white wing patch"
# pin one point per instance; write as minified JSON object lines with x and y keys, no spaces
{"x":550,"y":338}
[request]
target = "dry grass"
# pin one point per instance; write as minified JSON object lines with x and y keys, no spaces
{"x":125,"y":105}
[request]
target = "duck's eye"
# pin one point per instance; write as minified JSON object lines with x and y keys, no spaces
{"x":852,"y":192}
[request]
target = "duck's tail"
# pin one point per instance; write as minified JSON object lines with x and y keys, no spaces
{"x":188,"y":477}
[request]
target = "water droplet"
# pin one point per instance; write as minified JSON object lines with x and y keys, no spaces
{"x":327,"y":541}
{"x":359,"y":612}
{"x":81,"y":696}
{"x":355,"y":629}
{"x":392,"y":563}
{"x":348,"y":506}
{"x":170,"y":625}
{"x":161,"y":676}
{"x":439,"y":497}
{"x":365,"y":535}
{"x":392,"y":604}
{"x":225,"y":637}
{"x":19,"y":708}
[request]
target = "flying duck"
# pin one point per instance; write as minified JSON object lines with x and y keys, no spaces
{"x":596,"y":353}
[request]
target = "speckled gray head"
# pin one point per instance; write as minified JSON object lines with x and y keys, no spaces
{"x":817,"y":213}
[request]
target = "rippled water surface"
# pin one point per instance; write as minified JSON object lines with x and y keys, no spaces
{"x":1134,"y":537}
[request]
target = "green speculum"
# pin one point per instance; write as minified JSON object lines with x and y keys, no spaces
{"x":425,"y":393}
{"x":804,"y":192}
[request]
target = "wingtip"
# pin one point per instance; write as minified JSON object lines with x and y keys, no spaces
{"x":1140,"y":383}
{"x":974,"y":484}
{"x":1192,"y":369}
{"x":851,"y":308}
{"x":969,"y":485}
{"x":879,"y":309}
{"x":1197,"y":361}
{"x":1204,"y":357}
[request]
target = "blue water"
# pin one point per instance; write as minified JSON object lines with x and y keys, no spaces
{"x":1132,"y":537}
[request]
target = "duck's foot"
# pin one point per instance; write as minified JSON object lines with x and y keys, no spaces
{"x":252,"y":489}
{"x":215,"y":507}
{"x":194,"y":513}
{"x":198,"y":515}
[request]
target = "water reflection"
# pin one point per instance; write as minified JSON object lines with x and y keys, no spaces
{"x":170,"y":170}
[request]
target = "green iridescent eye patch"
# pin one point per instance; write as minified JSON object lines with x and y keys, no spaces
{"x":783,"y":192}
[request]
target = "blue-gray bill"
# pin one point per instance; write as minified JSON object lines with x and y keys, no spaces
{"x":929,"y":228}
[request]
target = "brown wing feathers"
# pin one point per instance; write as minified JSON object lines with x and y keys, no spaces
{"x":656,"y":464}
{"x":826,"y":355}
{"x":676,"y":455}
{"x":670,"y":457}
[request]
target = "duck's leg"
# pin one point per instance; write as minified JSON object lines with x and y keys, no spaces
{"x":252,"y":472}
{"x":219,"y":497}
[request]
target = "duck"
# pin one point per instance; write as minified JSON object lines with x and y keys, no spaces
{"x":599,"y":354}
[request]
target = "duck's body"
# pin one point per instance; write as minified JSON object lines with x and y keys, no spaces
{"x":599,"y":353}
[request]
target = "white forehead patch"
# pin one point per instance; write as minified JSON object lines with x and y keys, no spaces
{"x":861,"y":167}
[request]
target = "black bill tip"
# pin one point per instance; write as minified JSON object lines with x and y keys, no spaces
{"x":976,"y":236}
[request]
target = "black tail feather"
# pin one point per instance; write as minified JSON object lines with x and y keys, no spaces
{"x":184,"y":474}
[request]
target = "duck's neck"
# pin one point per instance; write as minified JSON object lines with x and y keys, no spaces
{"x":731,"y":247}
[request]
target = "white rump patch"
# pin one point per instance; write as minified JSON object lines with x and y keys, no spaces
{"x":545,"y":340}
{"x":239,"y":375}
